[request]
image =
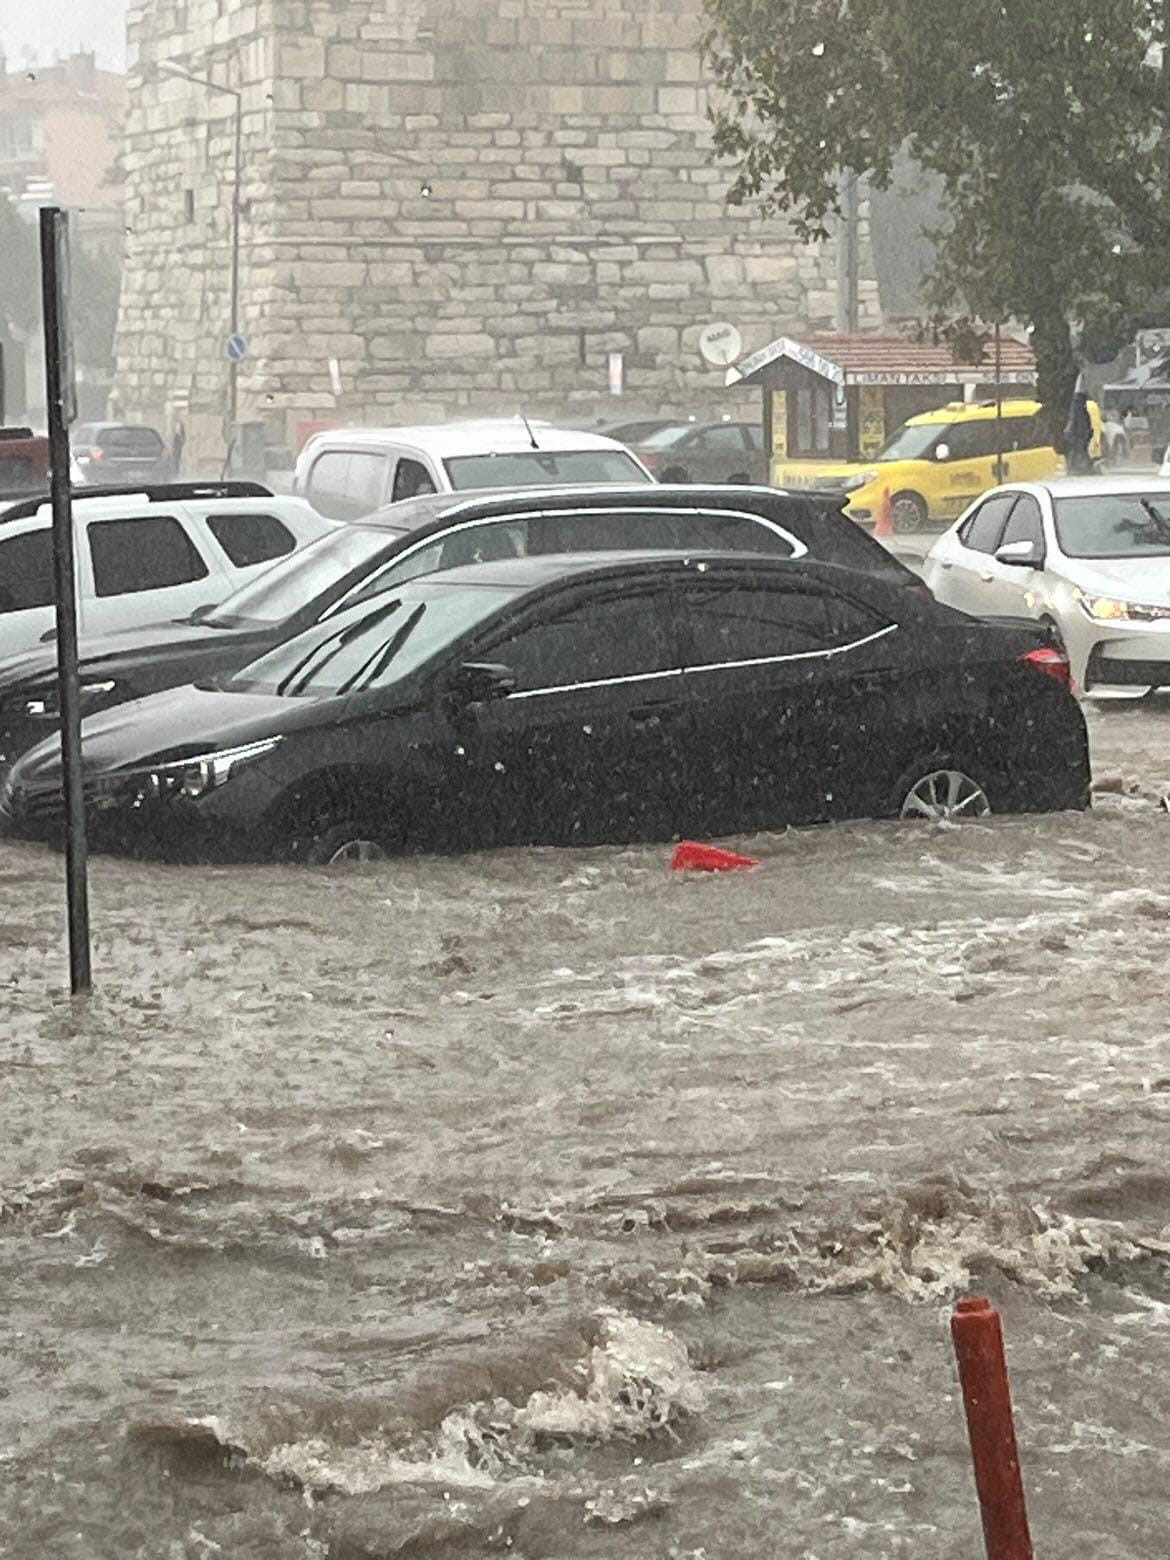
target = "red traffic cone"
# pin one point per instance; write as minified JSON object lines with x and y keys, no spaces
{"x":883,"y":526}
{"x":689,"y":856}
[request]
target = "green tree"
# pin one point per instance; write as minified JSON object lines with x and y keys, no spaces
{"x":1048,"y":125}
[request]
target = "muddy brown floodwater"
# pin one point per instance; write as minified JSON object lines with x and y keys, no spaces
{"x":540,"y":1203}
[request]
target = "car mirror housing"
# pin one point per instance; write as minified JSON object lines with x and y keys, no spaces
{"x":481,"y":682}
{"x":942,"y":452}
{"x":1019,"y":555}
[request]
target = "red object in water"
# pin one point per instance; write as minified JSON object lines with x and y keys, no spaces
{"x":978,"y":1339}
{"x":1052,"y":662}
{"x":689,"y":856}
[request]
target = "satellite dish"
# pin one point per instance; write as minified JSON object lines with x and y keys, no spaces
{"x":720,"y":344}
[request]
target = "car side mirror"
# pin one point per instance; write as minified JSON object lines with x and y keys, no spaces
{"x":481,"y":682}
{"x":1019,"y":555}
{"x":942,"y":452}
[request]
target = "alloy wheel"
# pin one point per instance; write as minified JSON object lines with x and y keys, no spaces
{"x":946,"y":794}
{"x":356,"y":850}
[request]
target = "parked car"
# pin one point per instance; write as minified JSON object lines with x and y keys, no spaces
{"x":415,"y":537}
{"x":705,"y":452}
{"x":637,"y":431}
{"x":105,"y":453}
{"x":143,"y":555}
{"x":582,"y":698}
{"x":940,"y":462}
{"x":24,"y":463}
{"x":349,"y":472}
{"x":1088,"y":555}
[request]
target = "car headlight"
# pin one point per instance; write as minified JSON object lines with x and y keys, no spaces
{"x":1109,"y":609}
{"x":46,"y":705}
{"x":196,"y":776}
{"x":862,"y":479}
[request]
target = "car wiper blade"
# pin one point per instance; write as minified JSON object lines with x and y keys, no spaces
{"x":310,"y":666}
{"x":381,"y":659}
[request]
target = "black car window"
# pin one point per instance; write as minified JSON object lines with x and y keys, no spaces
{"x":251,"y":539}
{"x":985,"y":527}
{"x":1024,"y":433}
{"x":411,"y":478}
{"x":719,"y":437}
{"x":697,"y":530}
{"x":973,"y":440}
{"x":543,"y":468}
{"x":599,"y":640}
{"x":150,"y":553}
{"x":743,"y":623}
{"x":18,"y":475}
{"x":26,"y":571}
{"x":1025,"y":523}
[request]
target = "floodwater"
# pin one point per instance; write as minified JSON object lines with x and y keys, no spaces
{"x":542,"y":1204}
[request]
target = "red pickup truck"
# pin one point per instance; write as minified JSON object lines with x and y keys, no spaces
{"x":24,"y":463}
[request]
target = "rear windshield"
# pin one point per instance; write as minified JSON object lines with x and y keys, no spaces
{"x":540,"y":468}
{"x":1114,"y":525}
{"x":663,"y":438}
{"x":298,"y":579}
{"x":144,"y":442}
{"x":373,"y":645}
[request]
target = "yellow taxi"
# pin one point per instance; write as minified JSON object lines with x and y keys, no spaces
{"x":939,"y":462}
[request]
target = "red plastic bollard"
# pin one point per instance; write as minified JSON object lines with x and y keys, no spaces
{"x":978,"y":1339}
{"x":690,"y":856}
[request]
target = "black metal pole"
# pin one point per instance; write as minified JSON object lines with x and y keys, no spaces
{"x":238,"y":174}
{"x":53,"y":241}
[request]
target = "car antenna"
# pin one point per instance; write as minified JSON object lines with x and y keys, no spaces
{"x":529,"y":432}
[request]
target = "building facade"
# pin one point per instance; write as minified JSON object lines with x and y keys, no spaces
{"x":445,"y":205}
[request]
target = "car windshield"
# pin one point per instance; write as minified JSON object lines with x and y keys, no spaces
{"x":374,"y":644}
{"x":1114,"y":525}
{"x":912,"y":442}
{"x":663,"y":438}
{"x":296,"y":580}
{"x":540,"y":468}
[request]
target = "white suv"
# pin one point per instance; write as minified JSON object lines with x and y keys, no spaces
{"x":350,"y":472}
{"x":143,"y":556}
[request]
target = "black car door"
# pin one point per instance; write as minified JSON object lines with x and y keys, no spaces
{"x":777,"y":686}
{"x":584,"y":749}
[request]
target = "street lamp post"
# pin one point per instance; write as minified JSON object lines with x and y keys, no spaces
{"x":168,"y":68}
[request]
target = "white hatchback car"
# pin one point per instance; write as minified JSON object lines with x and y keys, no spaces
{"x":347,"y":473}
{"x":1089,"y":555}
{"x":142,"y":557}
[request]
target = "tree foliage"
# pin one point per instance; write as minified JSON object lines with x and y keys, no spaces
{"x":1047,"y":122}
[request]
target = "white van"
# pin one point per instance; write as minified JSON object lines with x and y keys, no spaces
{"x":346,"y":473}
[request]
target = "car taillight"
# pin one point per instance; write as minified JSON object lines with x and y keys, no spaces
{"x":1052,"y":662}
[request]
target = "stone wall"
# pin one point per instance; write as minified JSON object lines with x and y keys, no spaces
{"x":463,"y":203}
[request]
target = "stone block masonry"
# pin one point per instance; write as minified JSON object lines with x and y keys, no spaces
{"x":468,"y":204}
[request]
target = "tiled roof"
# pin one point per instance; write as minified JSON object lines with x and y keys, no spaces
{"x":871,"y":358}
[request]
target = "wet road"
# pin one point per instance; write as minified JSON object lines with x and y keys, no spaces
{"x":543,"y":1204}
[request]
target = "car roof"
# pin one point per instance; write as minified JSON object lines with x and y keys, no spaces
{"x":977,"y":411}
{"x":135,"y":501}
{"x":1102,"y":486}
{"x":473,"y":437}
{"x":547,"y":568}
{"x":411,"y":513}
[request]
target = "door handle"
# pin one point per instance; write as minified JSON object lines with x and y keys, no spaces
{"x":987,"y":579}
{"x":946,"y":563}
{"x":866,"y":682}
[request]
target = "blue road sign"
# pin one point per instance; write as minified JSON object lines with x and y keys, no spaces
{"x":237,"y":348}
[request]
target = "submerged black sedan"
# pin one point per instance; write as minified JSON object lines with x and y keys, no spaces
{"x":582,"y":698}
{"x":419,"y":536}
